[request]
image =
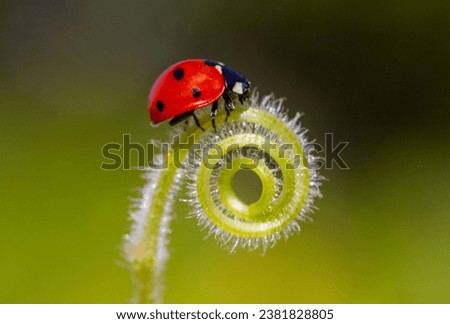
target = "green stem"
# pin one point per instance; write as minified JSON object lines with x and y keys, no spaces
{"x":287,"y":188}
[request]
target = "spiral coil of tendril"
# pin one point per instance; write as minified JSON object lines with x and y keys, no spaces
{"x":259,"y":137}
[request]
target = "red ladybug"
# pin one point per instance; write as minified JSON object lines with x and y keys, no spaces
{"x":192,"y":84}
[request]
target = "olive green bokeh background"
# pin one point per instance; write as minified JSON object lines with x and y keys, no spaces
{"x":75,"y":75}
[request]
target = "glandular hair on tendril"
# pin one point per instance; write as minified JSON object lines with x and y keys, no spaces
{"x":276,"y":221}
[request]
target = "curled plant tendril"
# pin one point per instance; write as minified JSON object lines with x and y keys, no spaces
{"x":259,"y":137}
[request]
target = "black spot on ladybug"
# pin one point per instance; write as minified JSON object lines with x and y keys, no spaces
{"x":160,"y":105}
{"x":196,"y":93}
{"x":178,"y":74}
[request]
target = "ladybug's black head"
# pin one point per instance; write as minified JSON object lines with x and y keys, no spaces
{"x":246,"y":91}
{"x":236,"y":82}
{"x":246,"y":88}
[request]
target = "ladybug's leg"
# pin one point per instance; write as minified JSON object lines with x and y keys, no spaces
{"x":228,"y":113}
{"x":197,"y":122}
{"x":228,"y":101}
{"x":213,"y":114}
{"x":178,"y":119}
{"x":229,"y":106}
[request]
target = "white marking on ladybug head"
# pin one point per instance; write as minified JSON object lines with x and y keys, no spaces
{"x":237,"y":88}
{"x":219,"y":68}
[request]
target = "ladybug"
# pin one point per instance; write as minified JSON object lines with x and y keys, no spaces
{"x":192,"y":84}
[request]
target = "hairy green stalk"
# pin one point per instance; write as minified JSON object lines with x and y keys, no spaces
{"x":259,"y":137}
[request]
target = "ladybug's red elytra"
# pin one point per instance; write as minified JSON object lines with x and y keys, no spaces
{"x":192,"y":84}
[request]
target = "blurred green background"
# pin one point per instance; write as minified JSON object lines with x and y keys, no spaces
{"x":76,"y":74}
